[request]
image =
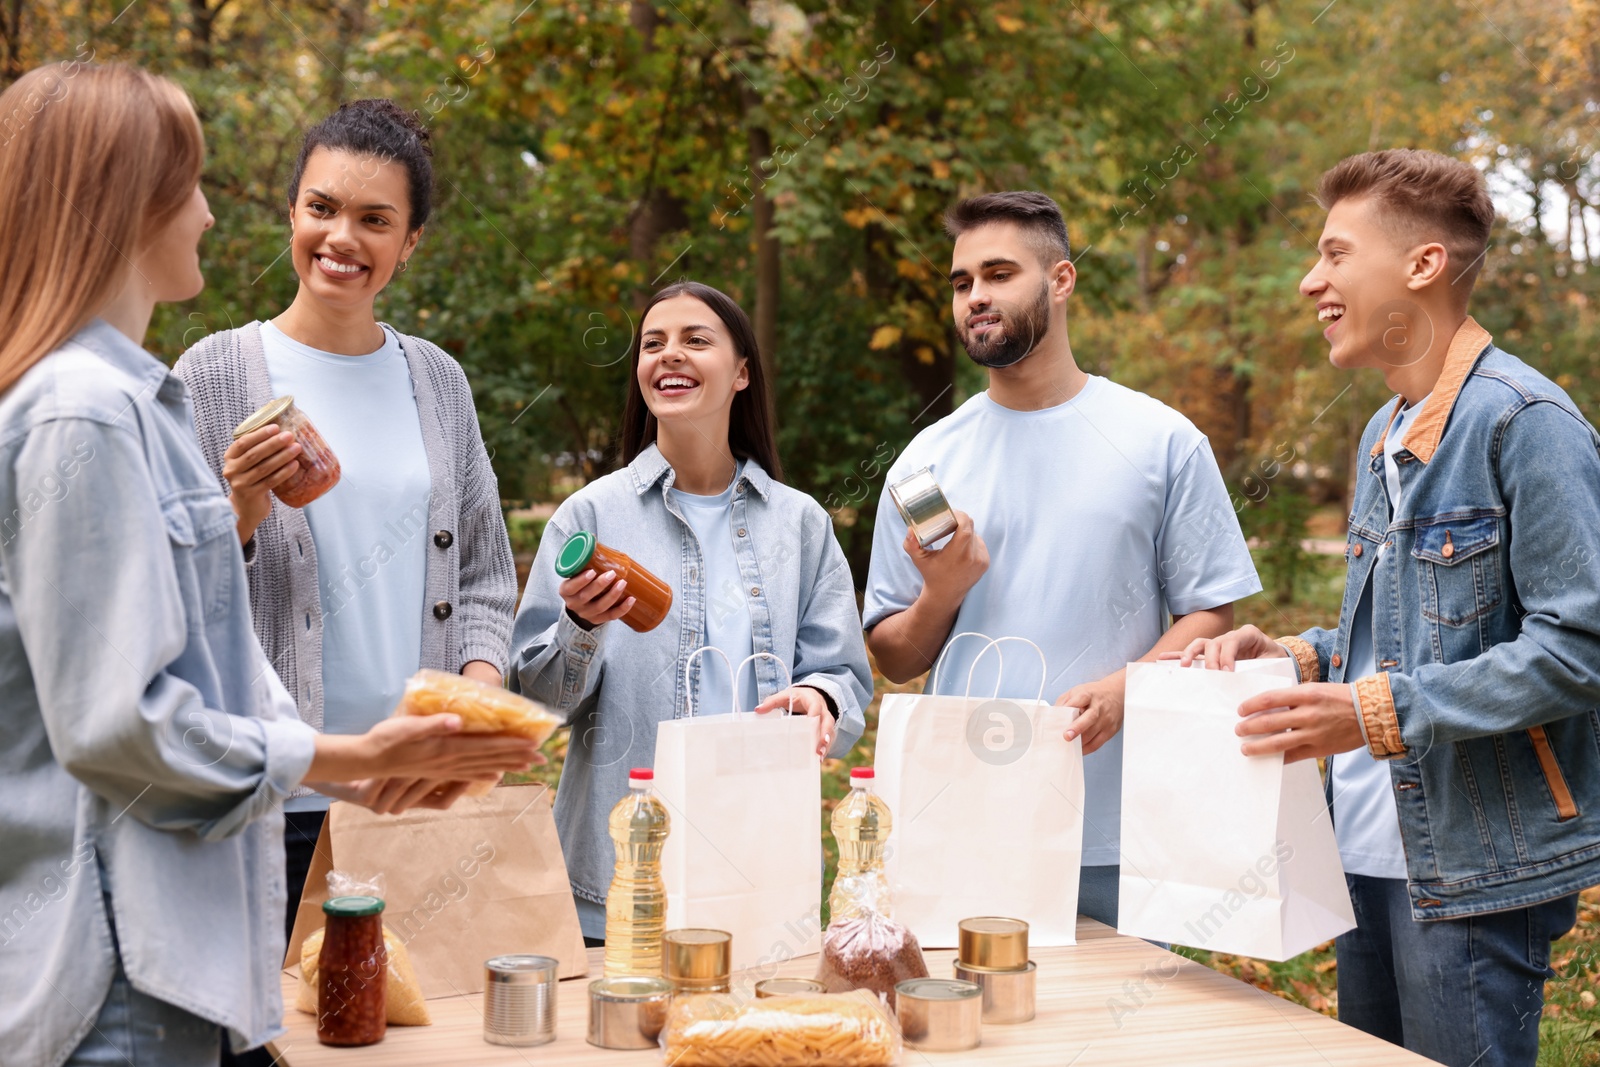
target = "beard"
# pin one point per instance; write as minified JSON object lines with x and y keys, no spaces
{"x":1018,"y":334}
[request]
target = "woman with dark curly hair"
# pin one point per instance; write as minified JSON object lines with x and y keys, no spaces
{"x":405,"y":562}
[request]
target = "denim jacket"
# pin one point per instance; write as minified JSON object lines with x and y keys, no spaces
{"x":614,"y":685}
{"x":145,"y":744}
{"x":1486,"y":631}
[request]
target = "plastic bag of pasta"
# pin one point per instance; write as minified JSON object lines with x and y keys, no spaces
{"x":403,"y":1003}
{"x":869,"y":952}
{"x":718,"y":1030}
{"x":484,"y":709}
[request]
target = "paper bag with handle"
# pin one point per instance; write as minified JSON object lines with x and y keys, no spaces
{"x":744,"y":855}
{"x":483,"y":879}
{"x":1220,"y":850}
{"x":987,"y":799}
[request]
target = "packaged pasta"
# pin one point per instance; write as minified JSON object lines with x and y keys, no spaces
{"x":719,"y":1030}
{"x":484,"y":709}
{"x":869,"y":952}
{"x":403,"y":1003}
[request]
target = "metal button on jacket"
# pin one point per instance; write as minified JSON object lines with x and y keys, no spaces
{"x":1336,"y":659}
{"x":441,"y":610}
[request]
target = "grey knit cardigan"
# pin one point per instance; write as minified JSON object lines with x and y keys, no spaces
{"x":471,"y":580}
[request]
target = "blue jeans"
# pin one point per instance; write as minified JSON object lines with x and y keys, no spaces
{"x":145,"y":1032}
{"x":1098,"y":887}
{"x":1466,"y":992}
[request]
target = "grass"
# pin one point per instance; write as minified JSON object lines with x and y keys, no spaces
{"x":1570,"y":1028}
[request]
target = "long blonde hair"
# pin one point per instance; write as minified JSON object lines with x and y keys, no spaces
{"x":94,"y":161}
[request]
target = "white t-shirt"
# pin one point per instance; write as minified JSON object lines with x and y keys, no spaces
{"x":370,"y":531}
{"x":1101,"y":515}
{"x":727,"y":611}
{"x":1365,"y":820}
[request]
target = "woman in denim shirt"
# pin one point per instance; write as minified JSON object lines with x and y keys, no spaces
{"x":753,"y":566}
{"x":146,"y":746}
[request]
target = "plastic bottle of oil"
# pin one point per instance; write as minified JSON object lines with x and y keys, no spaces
{"x":861,"y":825}
{"x":636,"y":906}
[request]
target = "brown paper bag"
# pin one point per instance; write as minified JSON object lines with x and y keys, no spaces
{"x":483,"y":879}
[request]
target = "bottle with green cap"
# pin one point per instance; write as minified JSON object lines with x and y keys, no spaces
{"x":652,"y":598}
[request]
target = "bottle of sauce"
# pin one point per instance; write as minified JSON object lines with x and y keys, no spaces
{"x":319,"y":467}
{"x":351,"y":973}
{"x":652,"y":596}
{"x":636,"y":905}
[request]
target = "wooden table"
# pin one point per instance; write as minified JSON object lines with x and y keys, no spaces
{"x":1107,"y":1000}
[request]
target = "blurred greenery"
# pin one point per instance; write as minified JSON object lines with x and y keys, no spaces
{"x":800,"y":155}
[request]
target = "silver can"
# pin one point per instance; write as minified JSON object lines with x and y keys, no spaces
{"x":922,"y":504}
{"x":628,"y":1012}
{"x":1008,"y":995}
{"x":519,"y":1000}
{"x":939,"y":1014}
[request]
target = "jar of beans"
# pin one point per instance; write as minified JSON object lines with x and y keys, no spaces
{"x":319,"y":467}
{"x":351,"y":973}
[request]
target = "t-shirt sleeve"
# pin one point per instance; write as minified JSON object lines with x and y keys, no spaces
{"x":1200,"y":549}
{"x":893,"y":581}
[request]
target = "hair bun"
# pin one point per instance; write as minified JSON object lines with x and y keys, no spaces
{"x":386,"y":111}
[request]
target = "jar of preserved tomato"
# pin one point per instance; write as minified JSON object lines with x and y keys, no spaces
{"x":652,"y":596}
{"x":351,"y":973}
{"x":319,"y":467}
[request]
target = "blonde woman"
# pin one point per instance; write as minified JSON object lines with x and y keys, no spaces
{"x":146,"y":746}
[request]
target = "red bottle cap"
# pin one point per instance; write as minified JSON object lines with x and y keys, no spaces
{"x":642,"y":774}
{"x":861,"y":772}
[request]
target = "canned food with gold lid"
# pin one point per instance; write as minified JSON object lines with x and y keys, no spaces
{"x":992,"y":943}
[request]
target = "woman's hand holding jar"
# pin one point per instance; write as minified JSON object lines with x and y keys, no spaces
{"x":254,"y":465}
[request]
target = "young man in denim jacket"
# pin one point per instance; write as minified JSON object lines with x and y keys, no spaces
{"x":1457,"y":697}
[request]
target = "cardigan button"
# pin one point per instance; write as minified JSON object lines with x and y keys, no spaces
{"x":1336,"y":660}
{"x":444,"y":539}
{"x":441,"y":610}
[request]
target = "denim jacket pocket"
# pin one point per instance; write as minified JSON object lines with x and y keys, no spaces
{"x":204,"y":544}
{"x":1460,"y":568}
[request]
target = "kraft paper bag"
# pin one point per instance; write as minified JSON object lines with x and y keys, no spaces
{"x":484,"y":878}
{"x":1221,"y":851}
{"x":987,"y":800}
{"x":744,"y":855}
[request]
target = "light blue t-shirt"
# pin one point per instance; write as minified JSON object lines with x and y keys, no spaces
{"x":1365,"y":820}
{"x":370,"y":530}
{"x":1101,"y":515}
{"x":727,"y":612}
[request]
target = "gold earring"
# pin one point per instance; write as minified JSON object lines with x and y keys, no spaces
{"x":404,"y":263}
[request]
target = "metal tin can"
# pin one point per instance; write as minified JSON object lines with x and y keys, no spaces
{"x":789,"y":987}
{"x":923,"y":506}
{"x":698,"y":960}
{"x":628,"y":1012}
{"x":1008,"y":995}
{"x":992,"y":943}
{"x":519,"y":1000}
{"x":939,"y":1014}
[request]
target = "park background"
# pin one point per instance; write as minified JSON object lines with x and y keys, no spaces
{"x":799,"y":155}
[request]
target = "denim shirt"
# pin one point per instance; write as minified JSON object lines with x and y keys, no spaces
{"x":614,"y":685}
{"x":142,"y":735}
{"x":1486,"y":634}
